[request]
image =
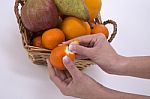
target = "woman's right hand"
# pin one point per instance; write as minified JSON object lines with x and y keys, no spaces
{"x":97,"y":48}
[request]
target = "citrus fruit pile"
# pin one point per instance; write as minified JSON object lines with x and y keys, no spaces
{"x":59,"y":21}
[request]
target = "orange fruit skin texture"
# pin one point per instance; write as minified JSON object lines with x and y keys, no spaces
{"x":74,"y":27}
{"x":52,"y":37}
{"x":100,"y":28}
{"x":94,"y":7}
{"x":56,"y":57}
{"x":37,"y":41}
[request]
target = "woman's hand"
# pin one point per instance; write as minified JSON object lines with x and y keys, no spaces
{"x":97,"y":48}
{"x":73,"y":82}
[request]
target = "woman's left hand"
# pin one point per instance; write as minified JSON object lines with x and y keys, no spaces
{"x":73,"y":82}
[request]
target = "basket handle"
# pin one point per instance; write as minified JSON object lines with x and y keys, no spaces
{"x":21,"y":26}
{"x":16,"y":9}
{"x":99,"y":21}
{"x":114,"y":29}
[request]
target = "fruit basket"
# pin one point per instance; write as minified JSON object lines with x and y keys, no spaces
{"x":39,"y":55}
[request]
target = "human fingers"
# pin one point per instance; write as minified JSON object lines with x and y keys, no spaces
{"x":72,"y":69}
{"x":86,"y":39}
{"x":61,"y":74}
{"x":80,"y":50}
{"x":67,"y":74}
{"x":58,"y":82}
{"x":78,"y":57}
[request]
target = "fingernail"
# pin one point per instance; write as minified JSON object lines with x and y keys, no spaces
{"x":72,"y":48}
{"x":66,"y":59}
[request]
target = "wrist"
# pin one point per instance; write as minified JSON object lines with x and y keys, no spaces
{"x":118,"y":64}
{"x":98,"y":92}
{"x":105,"y":93}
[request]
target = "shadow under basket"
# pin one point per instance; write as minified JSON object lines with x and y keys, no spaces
{"x":39,"y":55}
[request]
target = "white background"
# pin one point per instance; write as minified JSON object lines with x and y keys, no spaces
{"x":20,"y":79}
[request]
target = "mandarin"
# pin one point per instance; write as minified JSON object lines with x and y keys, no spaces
{"x":100,"y":28}
{"x":37,"y":41}
{"x":57,"y":54}
{"x":52,"y":37}
{"x":74,"y":27}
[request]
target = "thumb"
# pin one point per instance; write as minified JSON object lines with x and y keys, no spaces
{"x":81,"y":50}
{"x":72,"y":69}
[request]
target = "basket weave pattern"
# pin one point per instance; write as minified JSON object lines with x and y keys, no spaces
{"x":39,"y":55}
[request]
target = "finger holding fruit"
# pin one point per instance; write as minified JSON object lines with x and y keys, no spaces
{"x":73,"y":82}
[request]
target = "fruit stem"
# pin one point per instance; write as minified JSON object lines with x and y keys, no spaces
{"x":98,"y":19}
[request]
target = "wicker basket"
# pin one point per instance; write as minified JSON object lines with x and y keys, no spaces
{"x":39,"y":55}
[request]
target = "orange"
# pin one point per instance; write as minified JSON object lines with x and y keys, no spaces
{"x":100,"y":28}
{"x":52,"y":37}
{"x":94,"y":7}
{"x":37,"y":41}
{"x":57,"y":54}
{"x":74,"y":27}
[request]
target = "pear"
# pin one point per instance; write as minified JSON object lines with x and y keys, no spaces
{"x":76,"y":8}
